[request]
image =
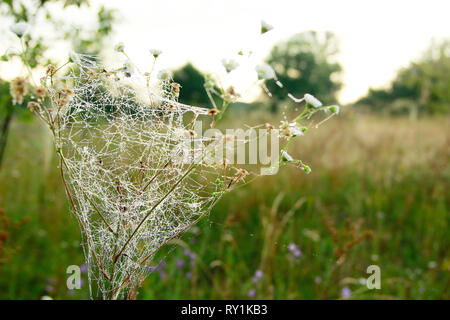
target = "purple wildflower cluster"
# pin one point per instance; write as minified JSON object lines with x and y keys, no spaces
{"x":295,"y":250}
{"x":255,"y":280}
{"x":160,"y":268}
{"x":182,"y":263}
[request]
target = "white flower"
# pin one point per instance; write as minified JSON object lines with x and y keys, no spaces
{"x":230,"y":64}
{"x":334,"y":109}
{"x":295,"y":129}
{"x":265,"y":27}
{"x":73,"y":57}
{"x":265,"y":71}
{"x":164,"y":75}
{"x":20,"y":28}
{"x":286,"y":156}
{"x":313,"y":101}
{"x":155,"y":53}
{"x":128,"y":67}
{"x":120,"y":47}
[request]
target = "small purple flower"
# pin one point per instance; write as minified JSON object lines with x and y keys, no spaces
{"x":151,"y":269}
{"x":193,"y":256}
{"x":318,"y":280}
{"x":180,"y":263}
{"x":83,"y":268}
{"x":294,"y":250}
{"x":162,"y":274}
{"x":48,"y":288}
{"x":161,"y":266}
{"x":251,"y":293}
{"x":189,"y":275}
{"x":187,"y":252}
{"x":346,"y":293}
{"x":70,"y":292}
{"x":258,"y":275}
{"x":81,"y":282}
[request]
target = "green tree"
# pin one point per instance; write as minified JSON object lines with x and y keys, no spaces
{"x":192,"y":81}
{"x":421,"y":87}
{"x":306,"y":63}
{"x":80,"y":39}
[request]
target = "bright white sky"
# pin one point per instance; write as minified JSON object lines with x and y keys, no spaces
{"x":376,"y":37}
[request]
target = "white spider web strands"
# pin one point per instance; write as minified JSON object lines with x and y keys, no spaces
{"x":124,"y":162}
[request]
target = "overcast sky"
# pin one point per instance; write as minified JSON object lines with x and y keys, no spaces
{"x":376,"y":37}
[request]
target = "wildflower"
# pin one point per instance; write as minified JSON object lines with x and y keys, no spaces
{"x":317,"y":280}
{"x":294,"y":250}
{"x":83,"y":268}
{"x":251,"y":293}
{"x":265,"y":27}
{"x":296,"y":130}
{"x":20,"y":28}
{"x":164,"y":75}
{"x":180,"y":263}
{"x":312,"y":101}
{"x":265,"y":71}
{"x":257,"y":276}
{"x":120,"y":47}
{"x":346,"y":293}
{"x":230,"y":64}
{"x":155,"y":53}
{"x":334,"y":109}
{"x":189,"y":275}
{"x":74,"y":57}
{"x":40,"y":92}
{"x":128,"y":68}
{"x":18,"y":89}
{"x":286,"y":157}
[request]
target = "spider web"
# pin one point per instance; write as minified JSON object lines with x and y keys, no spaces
{"x":133,"y":173}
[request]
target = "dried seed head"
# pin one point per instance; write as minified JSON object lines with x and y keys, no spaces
{"x":269,"y":127}
{"x":63,"y":101}
{"x":50,"y":69}
{"x":32,"y":105}
{"x":68,"y":91}
{"x":213,"y":112}
{"x":40,"y":91}
{"x":192,"y":133}
{"x":18,"y":89}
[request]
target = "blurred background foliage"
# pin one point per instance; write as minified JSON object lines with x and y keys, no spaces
{"x":378,"y":193}
{"x":421,"y":88}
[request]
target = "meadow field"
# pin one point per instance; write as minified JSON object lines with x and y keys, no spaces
{"x":378,"y":194}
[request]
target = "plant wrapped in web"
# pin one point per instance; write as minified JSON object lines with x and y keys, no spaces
{"x":135,"y":172}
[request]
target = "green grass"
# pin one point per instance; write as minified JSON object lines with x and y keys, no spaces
{"x":390,"y":176}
